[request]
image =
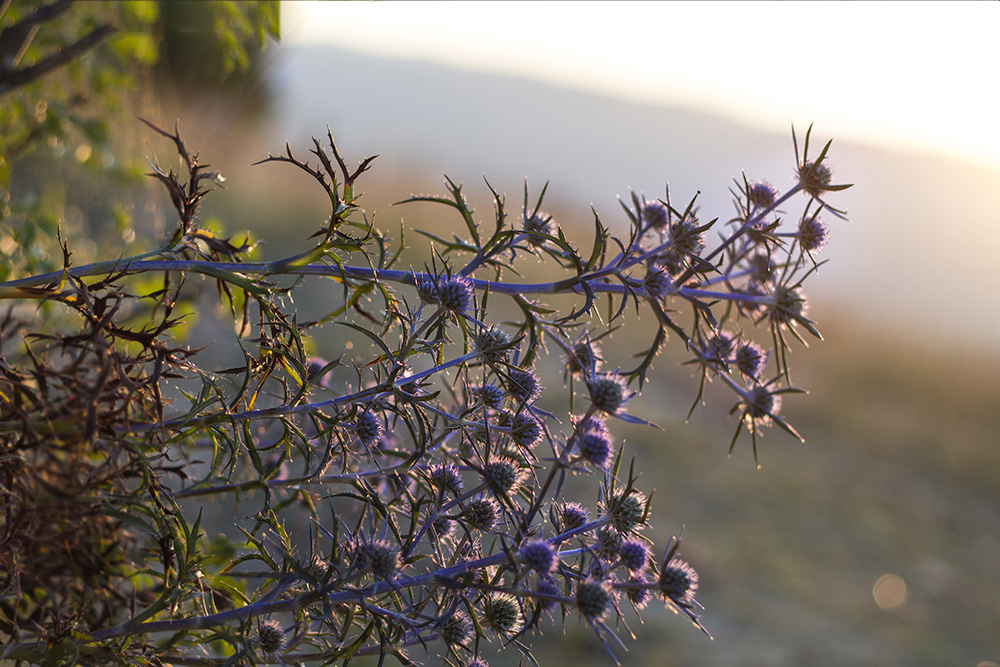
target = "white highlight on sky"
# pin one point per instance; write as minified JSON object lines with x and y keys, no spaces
{"x":920,"y":76}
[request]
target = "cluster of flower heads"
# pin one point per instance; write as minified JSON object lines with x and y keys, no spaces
{"x":466,"y":536}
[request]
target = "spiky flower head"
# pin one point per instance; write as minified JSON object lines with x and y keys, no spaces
{"x":477,"y":662}
{"x":446,"y":477}
{"x":427,"y":289}
{"x":571,"y":516}
{"x":761,"y":404}
{"x":638,"y":591}
{"x":607,"y":544}
{"x":592,"y":598}
{"x":455,"y":293}
{"x":380,"y":556}
{"x":608,"y":392}
{"x":815,"y":177}
{"x":457,"y":630}
{"x":678,"y":581}
{"x":685,"y":241}
{"x":491,"y":395}
{"x":719,"y":347}
{"x":813,"y":234}
{"x":761,"y":194}
{"x":585,"y":357}
{"x":634,"y":555}
{"x":368,"y":428}
{"x":523,"y":385}
{"x":627,"y":510}
{"x":655,"y":214}
{"x":494,"y":343}
{"x":270,"y":637}
{"x":525,"y":430}
{"x":761,"y":267}
{"x":750,"y":359}
{"x":502,"y":613}
{"x":482,"y":513}
{"x":788,"y":304}
{"x":538,"y":555}
{"x":503,"y":475}
{"x":658,"y":281}
{"x":547,"y":586}
{"x":537,"y":227}
{"x":595,"y":447}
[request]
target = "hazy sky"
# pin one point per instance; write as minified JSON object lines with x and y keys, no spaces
{"x":921,"y":75}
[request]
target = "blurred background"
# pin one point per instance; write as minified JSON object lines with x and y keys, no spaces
{"x":877,"y":542}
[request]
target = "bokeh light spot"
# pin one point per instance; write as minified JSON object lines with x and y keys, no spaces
{"x":889,"y":591}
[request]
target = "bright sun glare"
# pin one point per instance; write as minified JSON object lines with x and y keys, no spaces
{"x":915,"y":75}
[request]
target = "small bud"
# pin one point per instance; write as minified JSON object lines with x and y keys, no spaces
{"x":639,"y":595}
{"x":750,"y":359}
{"x":585,"y":358}
{"x":658,"y":281}
{"x":547,"y":586}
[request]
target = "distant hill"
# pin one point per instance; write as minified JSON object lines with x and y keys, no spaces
{"x":915,"y":254}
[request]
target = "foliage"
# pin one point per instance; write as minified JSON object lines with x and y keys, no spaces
{"x":408,"y":497}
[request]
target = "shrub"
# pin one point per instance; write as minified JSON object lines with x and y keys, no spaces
{"x":406,"y":496}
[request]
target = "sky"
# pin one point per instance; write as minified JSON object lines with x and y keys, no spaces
{"x":911,"y":75}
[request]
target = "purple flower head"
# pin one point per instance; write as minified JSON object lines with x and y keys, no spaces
{"x":750,"y":359}
{"x":658,"y":281}
{"x":523,"y":385}
{"x":593,"y":598}
{"x":595,"y":447}
{"x":539,"y":556}
{"x":655,"y":214}
{"x":537,"y":227}
{"x":634,"y":555}
{"x":678,"y":581}
{"x":455,"y":294}
{"x":762,"y":194}
{"x":813,"y":234}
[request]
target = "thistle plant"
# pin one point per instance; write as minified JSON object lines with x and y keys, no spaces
{"x":405,"y":497}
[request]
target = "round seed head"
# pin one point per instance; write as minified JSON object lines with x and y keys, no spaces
{"x":368,"y":428}
{"x":595,"y":447}
{"x":658,"y":281}
{"x":525,"y":430}
{"x":654,"y":214}
{"x":634,"y":555}
{"x":482,"y":513}
{"x":815,"y":178}
{"x":503,"y":475}
{"x":762,"y":194}
{"x":608,"y":392}
{"x":381,"y":557}
{"x":585,"y":358}
{"x":678,"y":581}
{"x":539,"y":556}
{"x":761,"y":404}
{"x":427,"y":289}
{"x":502,"y":613}
{"x":446,"y":476}
{"x":788,"y":304}
{"x":638,"y":595}
{"x":523,"y":385}
{"x":593,"y":598}
{"x":571,"y":516}
{"x":547,"y":586}
{"x":607,"y":544}
{"x":813,"y":234}
{"x":491,"y":395}
{"x":719,"y":347}
{"x":455,"y":294}
{"x":270,"y":637}
{"x":457,"y":630}
{"x":494,"y":343}
{"x":626,"y":511}
{"x":750,"y":359}
{"x":538,"y":226}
